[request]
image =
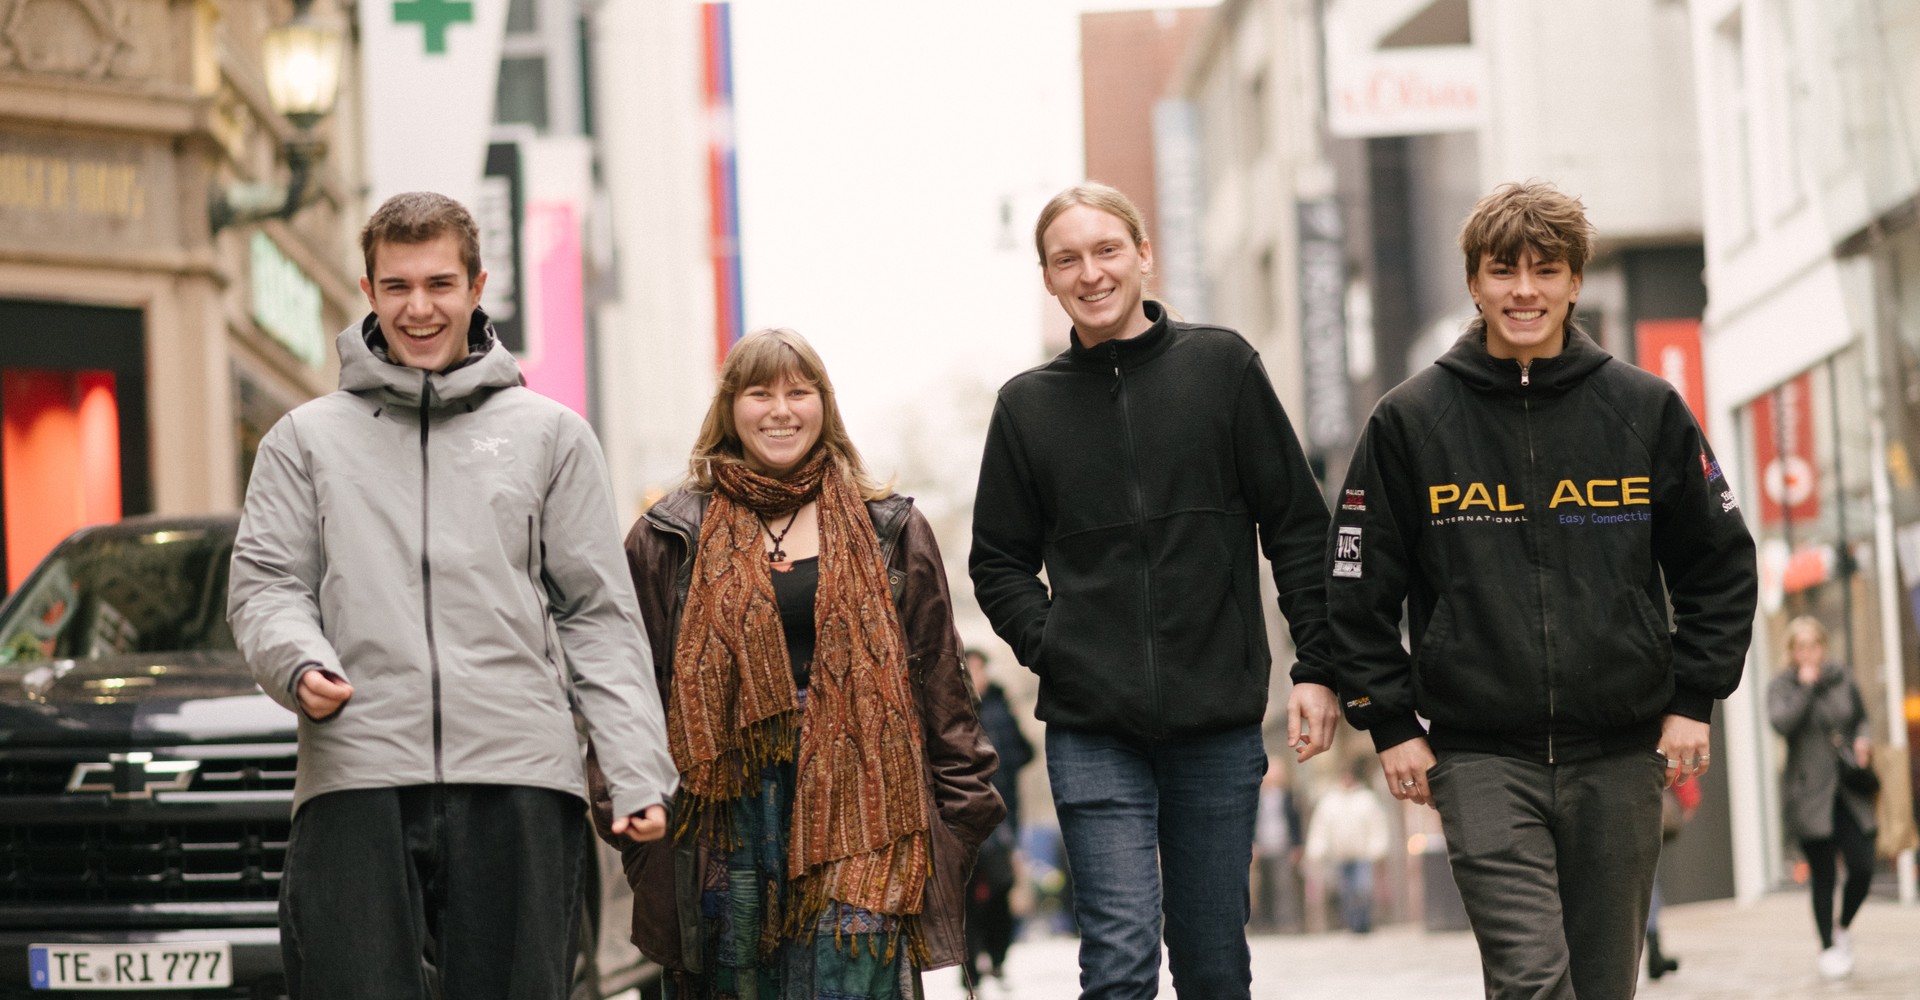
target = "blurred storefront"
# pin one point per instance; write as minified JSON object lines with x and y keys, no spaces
{"x":1812,"y":351}
{"x":153,"y":321}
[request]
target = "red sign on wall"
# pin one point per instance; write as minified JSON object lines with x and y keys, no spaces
{"x":1783,"y":452}
{"x":1670,"y":348}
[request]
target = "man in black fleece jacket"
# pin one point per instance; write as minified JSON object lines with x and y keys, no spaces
{"x":1138,"y":468}
{"x":1543,"y":512}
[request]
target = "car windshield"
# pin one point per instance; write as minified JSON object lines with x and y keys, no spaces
{"x":107,"y":595}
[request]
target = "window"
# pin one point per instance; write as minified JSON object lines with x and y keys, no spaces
{"x":1734,"y":204}
{"x":522,"y":95}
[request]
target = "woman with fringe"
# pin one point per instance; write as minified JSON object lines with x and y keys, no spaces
{"x":834,"y":780}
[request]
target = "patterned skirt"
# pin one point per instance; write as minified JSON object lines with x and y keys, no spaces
{"x":742,"y":900}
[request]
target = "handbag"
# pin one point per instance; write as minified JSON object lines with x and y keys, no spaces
{"x":1853,"y":777}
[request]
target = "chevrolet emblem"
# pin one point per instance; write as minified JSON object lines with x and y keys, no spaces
{"x":133,"y":776}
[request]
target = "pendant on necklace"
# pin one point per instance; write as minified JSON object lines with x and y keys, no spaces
{"x":778,"y":562}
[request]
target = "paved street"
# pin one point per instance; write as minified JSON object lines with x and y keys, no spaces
{"x":1727,"y":952}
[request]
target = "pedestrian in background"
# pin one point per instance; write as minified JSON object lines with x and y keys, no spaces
{"x":990,"y":923}
{"x":428,"y":573}
{"x":1539,"y":510}
{"x":1138,"y":468}
{"x":1277,"y":846}
{"x":1348,"y":834}
{"x":1818,"y":708}
{"x":834,"y":781}
{"x":1677,"y":805}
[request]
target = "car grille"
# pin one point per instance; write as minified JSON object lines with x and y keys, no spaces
{"x":118,"y":862}
{"x":49,"y":775}
{"x":221,"y":839}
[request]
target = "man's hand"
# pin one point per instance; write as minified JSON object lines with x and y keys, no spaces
{"x":647,"y":824}
{"x":1312,"y":712}
{"x":1685,"y":744}
{"x":1406,"y":765}
{"x":322,"y":693}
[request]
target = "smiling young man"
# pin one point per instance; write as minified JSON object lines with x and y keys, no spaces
{"x":1543,"y":512}
{"x":1139,"y":469}
{"x":429,"y":573}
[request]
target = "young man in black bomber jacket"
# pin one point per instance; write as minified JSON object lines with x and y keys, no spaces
{"x":1537,"y":505}
{"x":1139,"y":467}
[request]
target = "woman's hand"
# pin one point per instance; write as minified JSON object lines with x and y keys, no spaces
{"x":1863,"y":751}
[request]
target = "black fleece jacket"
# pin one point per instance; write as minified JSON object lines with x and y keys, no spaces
{"x":1527,"y":520}
{"x":1139,"y":474}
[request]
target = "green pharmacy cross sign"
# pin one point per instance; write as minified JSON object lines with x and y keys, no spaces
{"x":433,"y":16}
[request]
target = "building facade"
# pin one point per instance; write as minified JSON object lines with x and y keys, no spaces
{"x":1812,"y":354}
{"x":143,"y":350}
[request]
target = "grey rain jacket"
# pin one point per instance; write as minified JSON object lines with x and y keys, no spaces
{"x":447,"y":543}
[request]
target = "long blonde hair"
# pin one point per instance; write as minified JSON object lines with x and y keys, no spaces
{"x":764,"y":357}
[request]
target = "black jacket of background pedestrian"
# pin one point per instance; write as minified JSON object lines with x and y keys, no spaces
{"x":1528,"y":520}
{"x":1003,"y":731}
{"x":1139,"y":473}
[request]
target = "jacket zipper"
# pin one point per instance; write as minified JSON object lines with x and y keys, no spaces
{"x":426,"y":574}
{"x":1539,"y":579}
{"x":1139,"y":523}
{"x":1524,"y":379}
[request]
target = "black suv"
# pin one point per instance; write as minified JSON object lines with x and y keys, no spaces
{"x":146,"y":783}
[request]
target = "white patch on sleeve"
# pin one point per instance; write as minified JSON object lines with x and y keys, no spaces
{"x":1346,"y":552}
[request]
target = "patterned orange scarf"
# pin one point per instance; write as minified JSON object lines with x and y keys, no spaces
{"x":860,"y":825}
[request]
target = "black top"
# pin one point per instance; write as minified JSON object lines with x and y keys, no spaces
{"x":1536,"y":525}
{"x":1140,"y":473}
{"x":793,"y":591}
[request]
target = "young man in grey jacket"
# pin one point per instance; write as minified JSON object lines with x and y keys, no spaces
{"x":429,"y":572}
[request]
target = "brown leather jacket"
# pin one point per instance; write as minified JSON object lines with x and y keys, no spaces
{"x":960,"y":760}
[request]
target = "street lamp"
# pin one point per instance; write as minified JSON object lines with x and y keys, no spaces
{"x":302,"y":60}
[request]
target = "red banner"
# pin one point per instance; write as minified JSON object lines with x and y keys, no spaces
{"x":1670,"y":348}
{"x":1783,"y":452}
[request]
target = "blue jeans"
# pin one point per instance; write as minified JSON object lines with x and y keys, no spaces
{"x":1356,"y":895}
{"x":1153,"y":827}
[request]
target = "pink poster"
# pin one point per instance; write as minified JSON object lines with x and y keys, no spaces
{"x":556,"y":361}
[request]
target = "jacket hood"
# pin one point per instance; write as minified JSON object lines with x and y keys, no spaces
{"x":1468,"y":358}
{"x":365,"y":365}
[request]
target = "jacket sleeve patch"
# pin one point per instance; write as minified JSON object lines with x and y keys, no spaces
{"x":1346,"y":552}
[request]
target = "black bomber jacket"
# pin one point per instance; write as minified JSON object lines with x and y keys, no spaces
{"x":1571,"y":559}
{"x":1139,"y":474}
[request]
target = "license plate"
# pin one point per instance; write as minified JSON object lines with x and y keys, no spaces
{"x":176,"y":966}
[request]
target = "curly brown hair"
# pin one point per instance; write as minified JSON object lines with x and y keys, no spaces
{"x":422,"y":217}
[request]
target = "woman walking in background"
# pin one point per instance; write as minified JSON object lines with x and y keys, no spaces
{"x":833,"y":775}
{"x":1815,"y":705}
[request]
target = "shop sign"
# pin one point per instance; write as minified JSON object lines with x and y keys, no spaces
{"x":59,"y":194}
{"x":1417,"y":91}
{"x":286,"y":303}
{"x":1783,"y":452}
{"x":1670,"y":348}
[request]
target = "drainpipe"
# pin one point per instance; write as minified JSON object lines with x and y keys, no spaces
{"x":1886,"y":572}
